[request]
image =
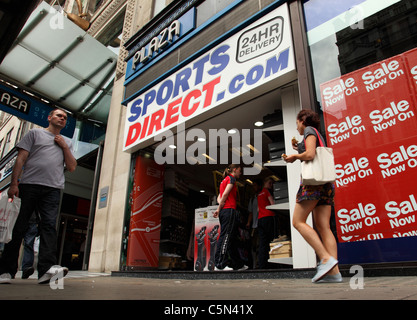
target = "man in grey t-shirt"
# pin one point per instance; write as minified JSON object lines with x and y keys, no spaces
{"x":42,"y":156}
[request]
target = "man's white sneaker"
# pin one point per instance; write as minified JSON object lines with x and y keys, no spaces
{"x":47,"y":276}
{"x":225,"y":269}
{"x":5,"y":278}
{"x":245,"y":267}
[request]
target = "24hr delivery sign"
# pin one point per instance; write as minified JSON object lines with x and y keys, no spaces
{"x":250,"y":58}
{"x":371,"y":124}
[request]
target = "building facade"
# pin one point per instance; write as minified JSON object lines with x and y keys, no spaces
{"x":201,"y":65}
{"x":200,"y":84}
{"x":28,"y":93}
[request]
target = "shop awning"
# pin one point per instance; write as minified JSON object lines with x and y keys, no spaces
{"x":57,"y":60}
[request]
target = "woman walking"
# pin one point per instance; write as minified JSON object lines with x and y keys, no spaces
{"x":316,"y":199}
{"x":227,"y":256}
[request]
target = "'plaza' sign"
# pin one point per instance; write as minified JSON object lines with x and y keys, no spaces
{"x":30,"y":109}
{"x":148,"y":50}
{"x":165,"y":38}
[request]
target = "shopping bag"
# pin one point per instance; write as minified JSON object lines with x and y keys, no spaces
{"x":8,"y":215}
{"x":321,"y":169}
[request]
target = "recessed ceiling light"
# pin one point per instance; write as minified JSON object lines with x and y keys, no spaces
{"x":259,"y":123}
{"x":232,"y":131}
{"x":172,"y":146}
{"x":201,"y":139}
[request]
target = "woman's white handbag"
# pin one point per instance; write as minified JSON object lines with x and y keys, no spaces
{"x":321,"y":169}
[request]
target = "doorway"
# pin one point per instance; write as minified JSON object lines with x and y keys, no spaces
{"x":71,"y":240}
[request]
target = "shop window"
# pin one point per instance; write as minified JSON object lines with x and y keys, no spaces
{"x":98,"y":4}
{"x":205,"y":10}
{"x":7,"y":143}
{"x":348,"y":35}
{"x":209,"y":8}
{"x":23,"y":130}
{"x":158,"y":6}
{"x":364,"y":64}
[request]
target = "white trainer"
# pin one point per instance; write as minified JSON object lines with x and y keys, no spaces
{"x":5,"y":278}
{"x":324,"y":268}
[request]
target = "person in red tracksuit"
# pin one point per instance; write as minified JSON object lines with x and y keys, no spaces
{"x":227,"y":256}
{"x":266,"y":223}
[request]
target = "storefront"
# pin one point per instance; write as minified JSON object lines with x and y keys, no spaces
{"x":194,"y":75}
{"x":363,"y":58}
{"x":187,"y":124}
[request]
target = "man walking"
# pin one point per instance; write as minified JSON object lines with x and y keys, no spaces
{"x":43,"y":154}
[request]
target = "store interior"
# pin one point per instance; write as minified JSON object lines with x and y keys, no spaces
{"x":192,"y":186}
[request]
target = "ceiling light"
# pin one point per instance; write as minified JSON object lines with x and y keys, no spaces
{"x":252,"y":148}
{"x":259,"y":123}
{"x":232,"y":131}
{"x":208,"y":157}
{"x":172,"y":146}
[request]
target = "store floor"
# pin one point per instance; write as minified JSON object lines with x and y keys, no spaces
{"x":82,"y":285}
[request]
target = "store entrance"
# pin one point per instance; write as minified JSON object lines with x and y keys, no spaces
{"x":76,"y":219}
{"x":71,"y":240}
{"x":195,"y":184}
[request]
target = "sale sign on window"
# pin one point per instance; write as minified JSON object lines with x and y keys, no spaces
{"x":371,"y":124}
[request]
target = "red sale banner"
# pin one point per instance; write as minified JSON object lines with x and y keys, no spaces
{"x":371,"y":124}
{"x":145,"y":220}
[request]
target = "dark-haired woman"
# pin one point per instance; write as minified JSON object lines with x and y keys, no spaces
{"x":316,"y":199}
{"x":227,"y":256}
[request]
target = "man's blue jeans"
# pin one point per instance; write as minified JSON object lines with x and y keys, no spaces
{"x":45,"y":200}
{"x":28,"y":242}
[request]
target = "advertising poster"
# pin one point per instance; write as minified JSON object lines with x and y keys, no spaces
{"x":371,"y":124}
{"x":145,"y":219}
{"x":207,"y":232}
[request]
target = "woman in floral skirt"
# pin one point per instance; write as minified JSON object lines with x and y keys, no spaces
{"x":316,"y":199}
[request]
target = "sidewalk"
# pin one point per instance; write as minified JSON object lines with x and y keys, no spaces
{"x":83,"y":285}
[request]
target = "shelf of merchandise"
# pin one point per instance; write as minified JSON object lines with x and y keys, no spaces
{"x":279,"y":206}
{"x":281,"y":260}
{"x":285,"y":206}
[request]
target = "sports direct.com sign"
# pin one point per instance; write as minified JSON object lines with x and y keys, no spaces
{"x":254,"y":56}
{"x":371,"y":124}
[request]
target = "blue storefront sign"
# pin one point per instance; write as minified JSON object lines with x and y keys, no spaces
{"x":155,"y":45}
{"x":30,"y":109}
